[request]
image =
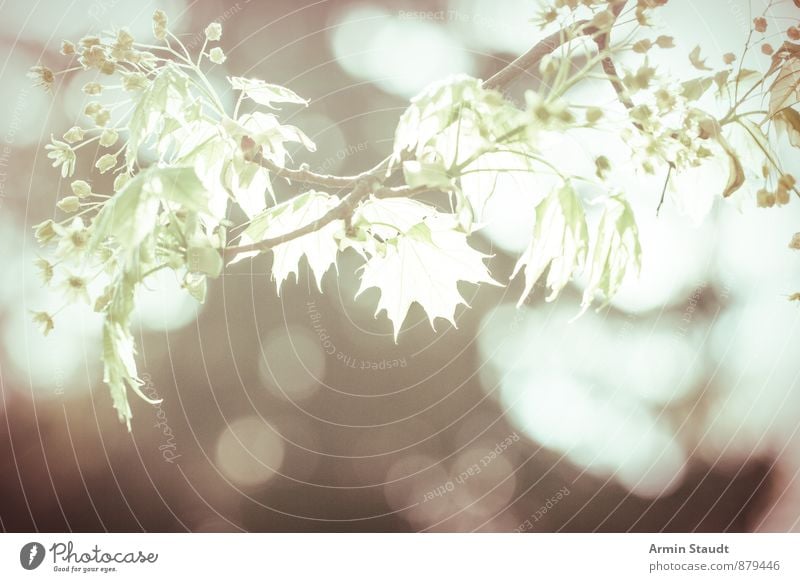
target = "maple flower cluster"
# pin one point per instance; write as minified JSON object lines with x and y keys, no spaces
{"x":167,"y":214}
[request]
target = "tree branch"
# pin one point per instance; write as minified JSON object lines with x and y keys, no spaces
{"x":342,"y":211}
{"x":505,"y":76}
{"x":304,"y":175}
{"x":371,"y":180}
{"x":609,"y":68}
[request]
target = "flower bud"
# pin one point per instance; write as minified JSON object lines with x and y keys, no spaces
{"x":120,"y":181}
{"x":108,"y":138}
{"x":74,"y":134}
{"x":159,"y":24}
{"x":214,"y":31}
{"x":92,"y":88}
{"x":105,"y":162}
{"x":217,"y":56}
{"x":69,"y":204}
{"x":81,"y":188}
{"x":44,"y":231}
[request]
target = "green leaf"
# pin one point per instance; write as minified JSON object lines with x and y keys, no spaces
{"x":788,"y":120}
{"x":424,"y":266}
{"x":697,"y":62}
{"x":615,"y":251}
{"x":205,"y":259}
{"x":249,"y":183}
{"x":418,"y":174}
{"x":319,"y":247}
{"x":166,"y":97}
{"x":131,"y":214}
{"x":785,"y":90}
{"x":559,"y":241}
{"x":265,"y":93}
{"x":196,"y":285}
{"x":736,"y":171}
{"x":696,"y":88}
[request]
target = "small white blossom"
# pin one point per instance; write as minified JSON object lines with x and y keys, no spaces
{"x":62,"y":155}
{"x":45,"y":269}
{"x":42,"y":76}
{"x":74,"y":239}
{"x":45,"y":320}
{"x":75,"y":289}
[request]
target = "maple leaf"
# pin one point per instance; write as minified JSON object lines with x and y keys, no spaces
{"x":319,"y":247}
{"x":697,"y":62}
{"x":788,"y":121}
{"x":265,"y":93}
{"x":496,"y":171}
{"x":615,"y":249}
{"x":421,"y":264}
{"x":559,"y":240}
{"x":785,"y":90}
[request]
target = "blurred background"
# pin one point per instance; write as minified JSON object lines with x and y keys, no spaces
{"x":675,"y":409}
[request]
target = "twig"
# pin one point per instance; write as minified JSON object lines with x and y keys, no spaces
{"x":504,"y":77}
{"x":306,"y":176}
{"x":602,"y":41}
{"x":664,"y":191}
{"x":342,"y":211}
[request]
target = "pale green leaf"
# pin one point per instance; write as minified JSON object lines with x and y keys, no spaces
{"x":131,"y":214}
{"x":559,"y":241}
{"x":319,"y":247}
{"x":614,"y":253}
{"x":424,"y":265}
{"x":265,"y":93}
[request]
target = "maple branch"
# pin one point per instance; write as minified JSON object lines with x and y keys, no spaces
{"x":530,"y":59}
{"x":602,"y":42}
{"x":371,"y":181}
{"x":305,"y":175}
{"x":342,"y":211}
